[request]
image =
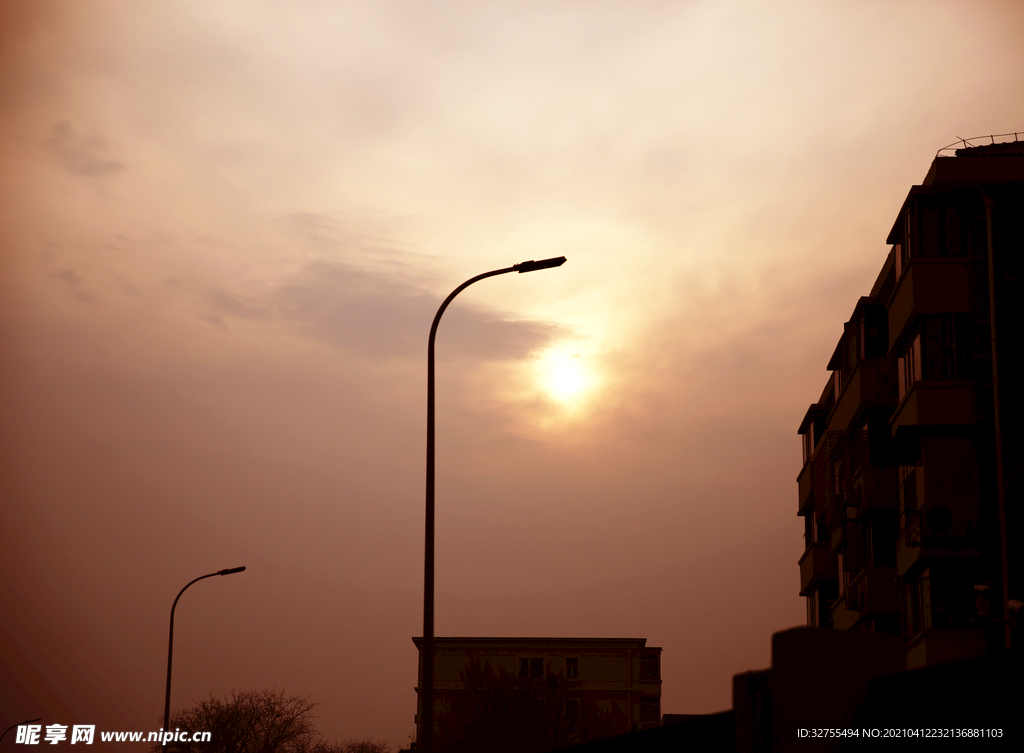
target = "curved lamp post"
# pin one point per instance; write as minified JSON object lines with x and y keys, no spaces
{"x":427,"y":698}
{"x":170,"y":640}
{"x":29,"y":721}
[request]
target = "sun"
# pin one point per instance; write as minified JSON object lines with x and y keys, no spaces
{"x":564,"y":375}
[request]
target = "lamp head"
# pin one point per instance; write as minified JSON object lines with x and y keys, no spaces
{"x":231,"y":570}
{"x":531,"y":266}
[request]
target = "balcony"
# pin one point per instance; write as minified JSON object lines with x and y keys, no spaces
{"x":844,"y":614}
{"x":928,"y":286}
{"x":874,"y":590}
{"x":947,"y":403}
{"x":837,"y":511}
{"x":822,"y":481}
{"x":805,"y":489}
{"x":865,"y":386}
{"x":817,"y":563}
{"x":879,"y":488}
{"x":919,"y":539}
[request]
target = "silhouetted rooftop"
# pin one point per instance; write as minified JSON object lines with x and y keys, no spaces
{"x":997,"y":162}
{"x":1014,"y":148}
{"x":501,"y":642}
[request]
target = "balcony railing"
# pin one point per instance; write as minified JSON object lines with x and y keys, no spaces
{"x":865,"y":385}
{"x":805,"y":488}
{"x":823,"y":474}
{"x":910,"y":528}
{"x":937,"y":403}
{"x":817,"y":563}
{"x":928,"y":286}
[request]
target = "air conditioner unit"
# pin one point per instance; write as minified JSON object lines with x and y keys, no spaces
{"x":948,"y":520}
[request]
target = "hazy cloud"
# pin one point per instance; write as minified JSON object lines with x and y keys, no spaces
{"x":81,"y":155}
{"x":70,"y":276}
{"x":379,"y":316}
{"x":73,"y":281}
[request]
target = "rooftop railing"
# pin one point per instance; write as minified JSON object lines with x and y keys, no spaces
{"x":962,"y":143}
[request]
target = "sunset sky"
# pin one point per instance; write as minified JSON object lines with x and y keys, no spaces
{"x":226,"y":226}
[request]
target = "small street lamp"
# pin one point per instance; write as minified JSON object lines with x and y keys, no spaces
{"x":170,"y":640}
{"x":426,"y":728}
{"x":29,"y":721}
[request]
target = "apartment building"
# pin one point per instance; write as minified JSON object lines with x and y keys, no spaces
{"x":910,"y":490}
{"x":575,"y":688}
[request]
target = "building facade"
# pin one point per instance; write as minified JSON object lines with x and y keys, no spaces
{"x":579,"y":688}
{"x":909,"y":489}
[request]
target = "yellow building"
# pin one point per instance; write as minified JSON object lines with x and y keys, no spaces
{"x":566,"y":689}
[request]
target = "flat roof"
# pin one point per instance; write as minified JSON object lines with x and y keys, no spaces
{"x":511,"y":642}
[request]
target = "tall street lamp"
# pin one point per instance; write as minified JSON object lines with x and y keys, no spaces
{"x":426,"y":730}
{"x":170,"y":640}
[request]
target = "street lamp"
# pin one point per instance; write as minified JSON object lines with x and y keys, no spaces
{"x":170,"y":640}
{"x":30,"y":721}
{"x":427,"y":699}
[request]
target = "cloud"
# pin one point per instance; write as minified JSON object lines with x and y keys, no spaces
{"x":70,"y":276}
{"x":73,"y":280}
{"x":378,"y":315}
{"x":80,"y":155}
{"x":360,"y":290}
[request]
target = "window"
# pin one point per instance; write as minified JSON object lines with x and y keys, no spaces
{"x":910,"y":366}
{"x":909,"y":236}
{"x":837,"y":479}
{"x":875,"y":331}
{"x":531,"y":669}
{"x":821,"y":532}
{"x":841,"y":568}
{"x":944,"y":350}
{"x":858,"y":448}
{"x":854,"y":347}
{"x":953,"y":245}
{"x":951,"y":597}
{"x":917,"y":606}
{"x":826,"y":593}
{"x":929,"y":231}
{"x":853,"y":552}
{"x":649,"y":667}
{"x":880,"y":533}
{"x":572,"y":712}
{"x":908,"y":488}
{"x":650,"y":709}
{"x":940,"y":350}
{"x":572,"y":669}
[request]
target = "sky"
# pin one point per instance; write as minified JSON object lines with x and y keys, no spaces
{"x":225,"y":229}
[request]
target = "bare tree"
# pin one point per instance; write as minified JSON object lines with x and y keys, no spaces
{"x":257,"y":721}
